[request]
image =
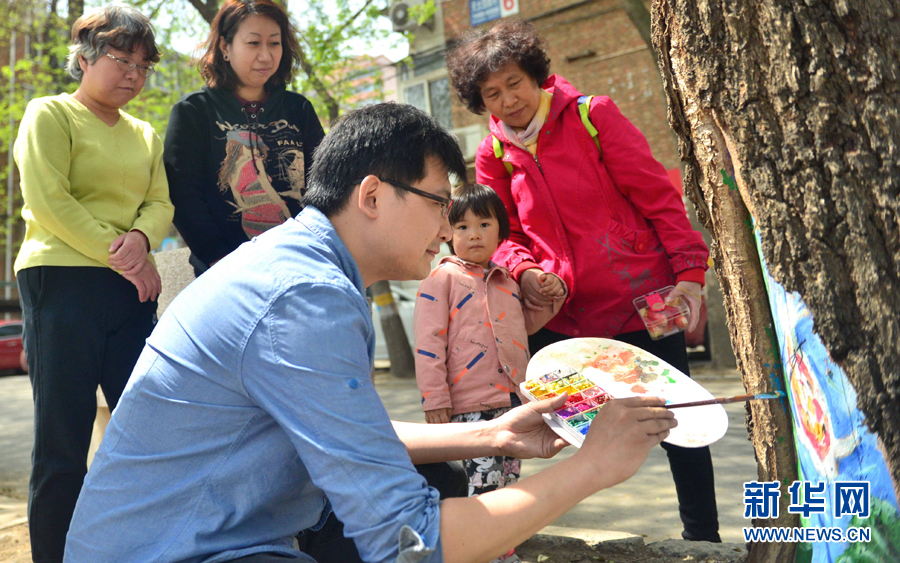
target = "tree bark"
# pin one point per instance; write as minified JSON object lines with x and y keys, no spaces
{"x":802,"y":101}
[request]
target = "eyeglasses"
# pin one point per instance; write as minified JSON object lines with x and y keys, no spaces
{"x":446,"y":203}
{"x":126,"y":65}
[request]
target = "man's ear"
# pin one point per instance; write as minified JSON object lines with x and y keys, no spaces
{"x":368,"y":198}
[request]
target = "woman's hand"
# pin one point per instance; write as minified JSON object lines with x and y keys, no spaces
{"x":146,"y":279}
{"x":129,"y":251}
{"x":532,"y":284}
{"x":522,"y":432}
{"x":438,"y":416}
{"x":690,"y":292}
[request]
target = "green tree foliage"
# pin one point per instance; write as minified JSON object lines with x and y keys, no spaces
{"x":330,"y":32}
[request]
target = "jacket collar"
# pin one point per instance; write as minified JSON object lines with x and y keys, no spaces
{"x":473,"y":267}
{"x":563,"y":94}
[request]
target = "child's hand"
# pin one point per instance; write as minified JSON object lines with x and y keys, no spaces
{"x":438,"y":416}
{"x":552,"y":285}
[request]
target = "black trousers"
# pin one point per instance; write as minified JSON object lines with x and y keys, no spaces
{"x":691,"y":468}
{"x":83,"y":327}
{"x":329,"y":544}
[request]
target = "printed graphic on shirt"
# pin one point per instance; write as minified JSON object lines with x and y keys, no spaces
{"x":254,"y":186}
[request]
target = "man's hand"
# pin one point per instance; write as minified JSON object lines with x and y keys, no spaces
{"x":146,"y":280}
{"x":622,"y":434}
{"x":690,"y":292}
{"x":128,"y":251}
{"x":523,"y":433}
{"x":438,"y":416}
{"x":531,"y":282}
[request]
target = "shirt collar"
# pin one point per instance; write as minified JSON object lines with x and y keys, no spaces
{"x":318,"y":224}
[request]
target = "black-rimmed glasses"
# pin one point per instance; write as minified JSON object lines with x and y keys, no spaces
{"x":126,"y":65}
{"x":446,"y":203}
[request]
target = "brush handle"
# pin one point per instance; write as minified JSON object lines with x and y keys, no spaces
{"x":735,"y":399}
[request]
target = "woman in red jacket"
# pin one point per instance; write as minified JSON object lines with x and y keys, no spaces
{"x":600,"y":212}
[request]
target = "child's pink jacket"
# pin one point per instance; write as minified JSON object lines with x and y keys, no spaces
{"x":472,"y":336}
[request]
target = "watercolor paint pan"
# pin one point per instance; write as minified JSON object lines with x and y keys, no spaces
{"x":573,"y":420}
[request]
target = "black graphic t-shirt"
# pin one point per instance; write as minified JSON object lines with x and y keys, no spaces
{"x":237,"y":170}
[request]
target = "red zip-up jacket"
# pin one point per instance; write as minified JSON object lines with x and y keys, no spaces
{"x":612,"y":227}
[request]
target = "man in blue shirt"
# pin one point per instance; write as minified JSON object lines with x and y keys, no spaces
{"x":251,"y":414}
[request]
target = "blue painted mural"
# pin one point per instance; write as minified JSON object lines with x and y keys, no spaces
{"x":831,"y":438}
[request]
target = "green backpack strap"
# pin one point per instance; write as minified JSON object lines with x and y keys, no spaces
{"x":498,"y":152}
{"x":584,"y":107}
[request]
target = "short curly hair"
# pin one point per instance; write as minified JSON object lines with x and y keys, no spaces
{"x":482,"y":52}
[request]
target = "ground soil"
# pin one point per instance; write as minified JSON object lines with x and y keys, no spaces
{"x":14,"y":548}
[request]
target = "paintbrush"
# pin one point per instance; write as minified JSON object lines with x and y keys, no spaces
{"x":722,"y":400}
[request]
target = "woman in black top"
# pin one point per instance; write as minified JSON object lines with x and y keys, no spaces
{"x":238,"y":151}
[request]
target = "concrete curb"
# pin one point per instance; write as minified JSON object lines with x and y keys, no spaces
{"x":576,"y":537}
{"x":581,"y":538}
{"x":701,"y":550}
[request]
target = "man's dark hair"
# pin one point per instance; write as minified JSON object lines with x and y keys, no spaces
{"x":218,"y":72}
{"x":390,"y":141}
{"x":483,"y":202}
{"x":482,"y":52}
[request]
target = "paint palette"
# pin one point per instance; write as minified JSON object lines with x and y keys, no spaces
{"x":594,"y":370}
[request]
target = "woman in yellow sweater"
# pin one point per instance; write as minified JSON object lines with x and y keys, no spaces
{"x":96,"y":203}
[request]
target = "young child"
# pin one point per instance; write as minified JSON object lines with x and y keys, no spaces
{"x":472,"y":329}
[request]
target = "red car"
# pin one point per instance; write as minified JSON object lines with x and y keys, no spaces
{"x":11,"y":345}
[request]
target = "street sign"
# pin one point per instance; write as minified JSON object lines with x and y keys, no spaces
{"x":483,"y":11}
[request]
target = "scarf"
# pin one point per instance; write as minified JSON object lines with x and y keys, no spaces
{"x":527,"y":138}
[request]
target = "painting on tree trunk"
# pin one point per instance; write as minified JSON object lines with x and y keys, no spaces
{"x":833,"y":444}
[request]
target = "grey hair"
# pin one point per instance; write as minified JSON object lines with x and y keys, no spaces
{"x":115,"y":25}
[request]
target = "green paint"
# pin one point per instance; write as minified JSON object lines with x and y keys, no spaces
{"x":728,"y":180}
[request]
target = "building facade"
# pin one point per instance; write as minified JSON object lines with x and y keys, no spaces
{"x":592,"y":43}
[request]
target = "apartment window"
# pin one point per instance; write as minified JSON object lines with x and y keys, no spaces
{"x":432,"y":96}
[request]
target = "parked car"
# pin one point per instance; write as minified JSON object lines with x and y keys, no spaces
{"x":11,"y":345}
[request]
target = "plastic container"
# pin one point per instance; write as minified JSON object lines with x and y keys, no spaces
{"x":663,"y":320}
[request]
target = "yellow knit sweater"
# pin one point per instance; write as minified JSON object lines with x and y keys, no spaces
{"x":85,"y":183}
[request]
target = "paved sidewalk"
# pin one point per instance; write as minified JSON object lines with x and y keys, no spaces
{"x":644,"y":506}
{"x":16,"y":436}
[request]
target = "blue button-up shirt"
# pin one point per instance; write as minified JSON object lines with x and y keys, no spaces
{"x":251,"y":402}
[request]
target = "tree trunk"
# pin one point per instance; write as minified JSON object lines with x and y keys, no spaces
{"x":793,"y":109}
{"x":207,"y":9}
{"x":76,"y":9}
{"x":402,"y":363}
